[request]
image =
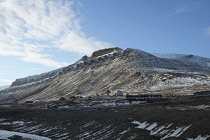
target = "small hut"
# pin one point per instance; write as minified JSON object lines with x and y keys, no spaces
{"x":202,"y":93}
{"x":29,"y":102}
{"x":62,"y":99}
{"x":119,"y":93}
{"x":107,"y":92}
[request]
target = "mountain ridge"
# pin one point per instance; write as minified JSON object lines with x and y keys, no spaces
{"x":130,"y":70}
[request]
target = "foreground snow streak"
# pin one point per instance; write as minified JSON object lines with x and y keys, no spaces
{"x":164,"y":130}
{"x":120,"y":123}
{"x":89,"y":130}
{"x":6,"y":134}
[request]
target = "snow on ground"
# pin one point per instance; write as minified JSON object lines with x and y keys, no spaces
{"x":200,"y":138}
{"x":11,"y":123}
{"x":6,"y":134}
{"x":90,"y":123}
{"x":141,"y":125}
{"x":152,"y":126}
{"x":5,"y":106}
{"x":18,"y":123}
{"x":120,"y":104}
{"x":177,"y":132}
{"x":124,"y":131}
{"x":200,"y":106}
{"x":103,"y":103}
{"x":163,"y":131}
{"x":2,"y":119}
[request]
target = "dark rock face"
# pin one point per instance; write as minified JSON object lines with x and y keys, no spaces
{"x":104,"y":51}
{"x":84,"y":58}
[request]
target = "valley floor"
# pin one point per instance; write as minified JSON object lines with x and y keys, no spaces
{"x":185,"y":119}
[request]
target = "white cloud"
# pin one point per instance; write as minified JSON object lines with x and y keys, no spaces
{"x":33,"y":69}
{"x":2,"y":73}
{"x":42,"y":59}
{"x":6,"y":80}
{"x":27,"y":28}
{"x":78,"y":43}
{"x":185,"y":8}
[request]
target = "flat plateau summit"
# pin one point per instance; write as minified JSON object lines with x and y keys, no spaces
{"x":130,"y":71}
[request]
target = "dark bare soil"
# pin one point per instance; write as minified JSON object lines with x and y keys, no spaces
{"x":112,"y":123}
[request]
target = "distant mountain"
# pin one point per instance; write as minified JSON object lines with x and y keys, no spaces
{"x":131,"y":71}
{"x":3,"y":87}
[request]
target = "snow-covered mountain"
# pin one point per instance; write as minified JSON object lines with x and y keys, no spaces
{"x":131,"y":71}
{"x":193,"y":60}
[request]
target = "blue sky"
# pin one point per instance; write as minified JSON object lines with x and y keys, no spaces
{"x":42,"y":35}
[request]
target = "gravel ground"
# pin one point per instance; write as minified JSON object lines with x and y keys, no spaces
{"x":174,"y":120}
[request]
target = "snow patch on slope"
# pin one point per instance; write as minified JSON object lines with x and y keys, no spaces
{"x":36,"y":78}
{"x":208,"y":64}
{"x":178,"y":82}
{"x":169,"y":55}
{"x":187,"y":59}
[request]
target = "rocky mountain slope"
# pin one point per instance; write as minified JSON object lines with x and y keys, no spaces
{"x":131,"y":71}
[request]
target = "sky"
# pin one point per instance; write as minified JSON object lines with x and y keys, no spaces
{"x":38,"y":36}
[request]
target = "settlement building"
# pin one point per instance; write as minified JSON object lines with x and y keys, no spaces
{"x":119,"y":93}
{"x":202,"y":93}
